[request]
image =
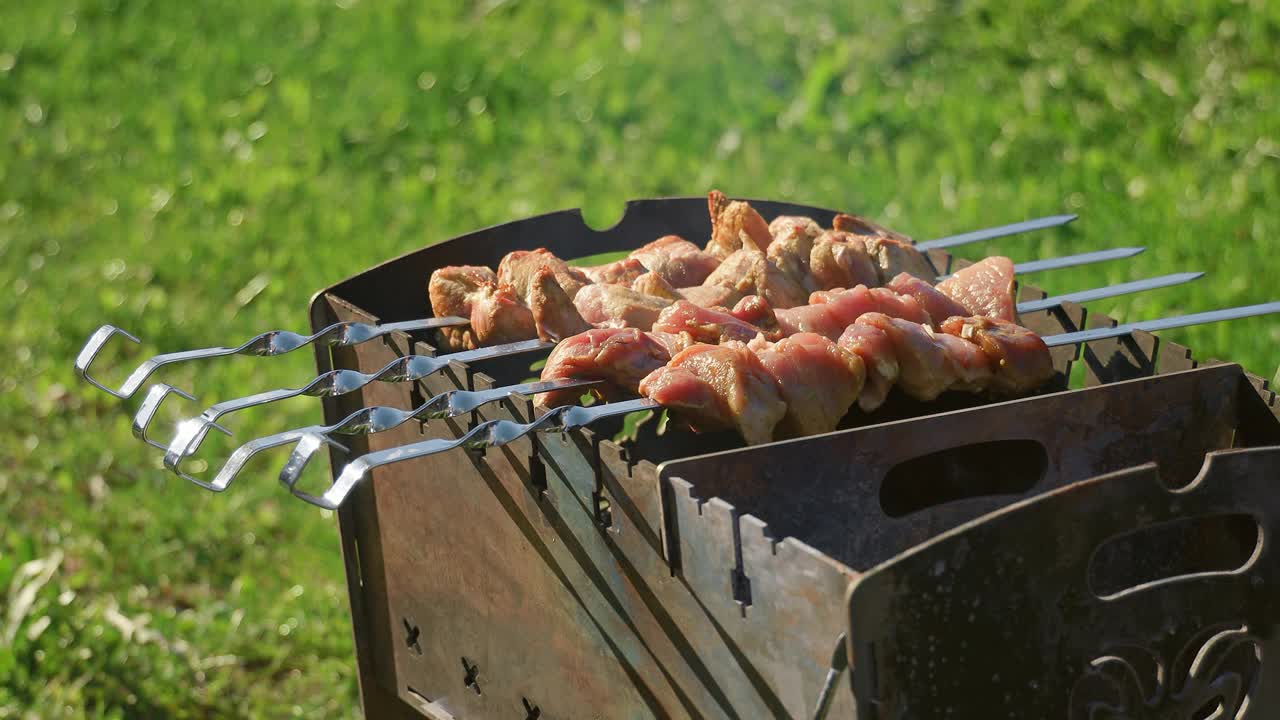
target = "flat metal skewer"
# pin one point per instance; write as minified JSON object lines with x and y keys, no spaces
{"x":364,"y":421}
{"x":274,"y":342}
{"x":1136,"y":286}
{"x":330,"y":384}
{"x":995,"y":232}
{"x":495,"y":433}
{"x":1067,"y":261}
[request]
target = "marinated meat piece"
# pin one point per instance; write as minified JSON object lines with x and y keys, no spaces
{"x":705,"y":325}
{"x":554,"y":314}
{"x":983,"y":288}
{"x":785,"y":225}
{"x":454,"y":291}
{"x":719,"y":386}
{"x":500,"y":317}
{"x":711,"y":296}
{"x":622,"y":357}
{"x":973,"y":369}
{"x":790,"y":253}
{"x":618,"y":306}
{"x":829,"y":312}
{"x":892,"y":256}
{"x":939,"y":306}
{"x":619,"y":272}
{"x":750,"y":272}
{"x":518,"y":267}
{"x":755,"y":310}
{"x":1019,"y":358}
{"x":840,"y":260}
{"x":862,"y":226}
{"x":673,"y":342}
{"x":875,"y":348}
{"x":734,"y":225}
{"x":652,"y":284}
{"x":925,"y":369}
{"x":676,"y":260}
{"x":818,"y":379}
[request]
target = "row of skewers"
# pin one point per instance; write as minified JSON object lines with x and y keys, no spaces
{"x":776,"y":340}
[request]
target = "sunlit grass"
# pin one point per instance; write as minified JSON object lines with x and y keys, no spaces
{"x":194,"y":171}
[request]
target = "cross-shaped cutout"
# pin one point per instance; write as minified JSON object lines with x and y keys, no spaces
{"x":411,"y":633}
{"x":472,"y":673}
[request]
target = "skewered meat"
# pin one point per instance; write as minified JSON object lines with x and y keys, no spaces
{"x":554,"y":315}
{"x":711,"y":296}
{"x":618,"y":306}
{"x":892,"y":256}
{"x":652,"y":284}
{"x":454,"y":291}
{"x":621,"y":272}
{"x":676,"y":260}
{"x":925,"y":369}
{"x":785,"y":225}
{"x":518,"y":268}
{"x":621,"y":357}
{"x":819,"y":381}
{"x":983,"y":288}
{"x":705,"y":325}
{"x":1018,"y":356}
{"x":829,"y":312}
{"x":874,"y":347}
{"x":840,"y":260}
{"x":500,"y":316}
{"x":791,"y":249}
{"x":755,"y":311}
{"x":735,"y":225}
{"x":859,"y":225}
{"x":719,"y":386}
{"x":939,"y":306}
{"x":750,"y":272}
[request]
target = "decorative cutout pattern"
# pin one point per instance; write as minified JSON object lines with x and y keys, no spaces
{"x":1212,"y":677}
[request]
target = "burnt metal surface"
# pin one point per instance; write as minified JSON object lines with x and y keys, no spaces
{"x":977,"y":624}
{"x":562,"y":578}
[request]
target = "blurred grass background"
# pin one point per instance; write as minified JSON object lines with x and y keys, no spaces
{"x":194,"y":171}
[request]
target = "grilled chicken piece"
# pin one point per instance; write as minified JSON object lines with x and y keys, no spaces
{"x":500,"y":317}
{"x":719,"y":386}
{"x":620,"y":272}
{"x":621,"y":357}
{"x":939,"y":306}
{"x":818,"y":379}
{"x":734,"y":225}
{"x":840,"y":260}
{"x":925,"y":368}
{"x":455,"y":291}
{"x":790,"y":251}
{"x":554,"y":314}
{"x":1019,"y":358}
{"x":875,"y":348}
{"x":676,"y":260}
{"x":785,"y":225}
{"x":618,"y":306}
{"x":750,"y":272}
{"x":518,"y":267}
{"x":983,"y":288}
{"x":653,"y":285}
{"x":711,"y":296}
{"x":829,"y":312}
{"x":705,"y":325}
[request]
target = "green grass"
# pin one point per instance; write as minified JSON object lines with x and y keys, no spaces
{"x":194,"y":171}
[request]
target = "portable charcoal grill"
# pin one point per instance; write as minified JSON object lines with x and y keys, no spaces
{"x":963,"y":558}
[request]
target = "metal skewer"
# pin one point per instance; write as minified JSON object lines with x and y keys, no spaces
{"x":1127,"y":288}
{"x":274,"y":342}
{"x":995,"y":232}
{"x":331,"y":384}
{"x":495,"y":433}
{"x":364,"y":421}
{"x":1067,"y":261}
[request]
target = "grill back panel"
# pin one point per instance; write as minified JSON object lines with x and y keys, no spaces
{"x":569,"y":576}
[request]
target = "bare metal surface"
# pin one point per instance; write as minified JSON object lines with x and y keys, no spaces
{"x":1201,"y":318}
{"x":1136,"y":286}
{"x":998,"y":618}
{"x":1043,"y":223}
{"x":274,"y":342}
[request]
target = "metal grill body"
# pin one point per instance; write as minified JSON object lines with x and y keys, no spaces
{"x":683,"y":575}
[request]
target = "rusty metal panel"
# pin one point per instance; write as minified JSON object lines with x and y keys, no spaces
{"x":972,"y":625}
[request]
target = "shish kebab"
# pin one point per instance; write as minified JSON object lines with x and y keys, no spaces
{"x":345,"y":334}
{"x":565,"y":418}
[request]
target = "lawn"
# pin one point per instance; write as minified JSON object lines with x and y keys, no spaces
{"x":194,"y":171}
